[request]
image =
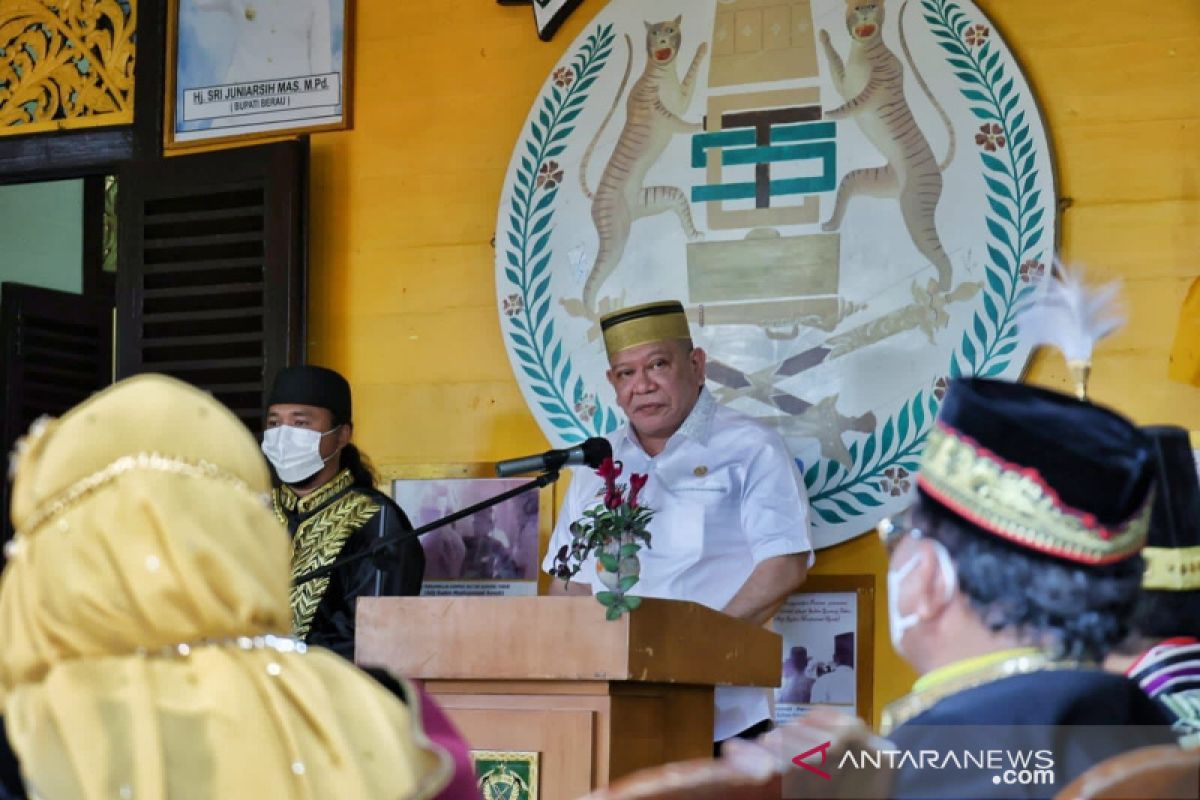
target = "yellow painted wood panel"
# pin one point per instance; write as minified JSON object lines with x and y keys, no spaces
{"x":1185,"y":352}
{"x":1139,"y":240}
{"x":432,"y":346}
{"x":460,"y":276}
{"x":464,"y":210}
{"x":1031,"y":24}
{"x":443,"y":423}
{"x":1129,"y":162}
{"x":1151,"y":308}
{"x":1153,"y":80}
{"x":1132,"y":383}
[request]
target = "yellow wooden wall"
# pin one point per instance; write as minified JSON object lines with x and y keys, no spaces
{"x":404,"y":206}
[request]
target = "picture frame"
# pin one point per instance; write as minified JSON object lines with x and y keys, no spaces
{"x":830,"y":626}
{"x":511,"y":774}
{"x":496,"y":552}
{"x":240,"y":71}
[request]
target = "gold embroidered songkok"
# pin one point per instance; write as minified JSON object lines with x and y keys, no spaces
{"x":638,"y":325}
{"x":1042,"y":470}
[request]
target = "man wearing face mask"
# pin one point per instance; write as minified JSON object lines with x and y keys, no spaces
{"x":327,"y":499}
{"x":1013,"y":575}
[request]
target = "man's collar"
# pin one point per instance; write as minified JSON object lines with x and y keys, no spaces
{"x":316,"y":498}
{"x":697,"y":426}
{"x":957,"y":669}
{"x":968,"y":674}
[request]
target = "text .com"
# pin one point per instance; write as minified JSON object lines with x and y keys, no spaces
{"x":1024,"y":777}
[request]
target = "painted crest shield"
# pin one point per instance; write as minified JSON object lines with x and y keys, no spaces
{"x":852,"y":198}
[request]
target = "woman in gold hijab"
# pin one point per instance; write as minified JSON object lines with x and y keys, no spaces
{"x":144,"y":623}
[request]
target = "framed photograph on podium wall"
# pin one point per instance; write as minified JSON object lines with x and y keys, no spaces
{"x":255,"y":69}
{"x":494,"y":552}
{"x":828,"y":631}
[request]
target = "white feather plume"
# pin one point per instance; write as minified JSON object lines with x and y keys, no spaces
{"x":1072,"y":316}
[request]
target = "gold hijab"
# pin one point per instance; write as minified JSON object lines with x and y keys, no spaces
{"x":144,"y":620}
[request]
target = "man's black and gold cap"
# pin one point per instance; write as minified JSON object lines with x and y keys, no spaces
{"x":638,"y":325}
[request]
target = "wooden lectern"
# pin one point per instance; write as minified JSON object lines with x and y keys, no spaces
{"x":596,"y":699}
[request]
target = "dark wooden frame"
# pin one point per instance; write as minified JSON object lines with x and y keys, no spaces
{"x":95,"y":280}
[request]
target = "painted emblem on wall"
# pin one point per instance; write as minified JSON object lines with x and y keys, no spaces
{"x":852,"y":198}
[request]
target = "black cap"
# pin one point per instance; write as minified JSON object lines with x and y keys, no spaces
{"x":1172,"y":557}
{"x":1046,"y":471}
{"x":313,"y":386}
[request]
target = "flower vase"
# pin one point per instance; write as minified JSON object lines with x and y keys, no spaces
{"x":610,"y":579}
{"x":628,"y":566}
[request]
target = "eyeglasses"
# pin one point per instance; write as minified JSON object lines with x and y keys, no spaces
{"x":892,"y":531}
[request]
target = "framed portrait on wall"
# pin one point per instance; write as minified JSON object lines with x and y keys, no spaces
{"x":255,"y":69}
{"x":493,"y":552}
{"x":828,"y":631}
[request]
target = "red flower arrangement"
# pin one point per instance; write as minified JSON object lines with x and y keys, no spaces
{"x":614,"y":531}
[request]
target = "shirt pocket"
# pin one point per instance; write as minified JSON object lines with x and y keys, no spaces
{"x":710,"y":491}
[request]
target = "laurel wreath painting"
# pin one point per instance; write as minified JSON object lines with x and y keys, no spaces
{"x":533,"y":336}
{"x":882,"y":462}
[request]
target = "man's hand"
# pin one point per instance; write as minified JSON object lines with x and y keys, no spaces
{"x":768,"y":587}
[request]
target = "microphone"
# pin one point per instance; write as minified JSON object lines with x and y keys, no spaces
{"x":590,"y":453}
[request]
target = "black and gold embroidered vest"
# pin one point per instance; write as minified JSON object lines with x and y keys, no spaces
{"x":328,"y":517}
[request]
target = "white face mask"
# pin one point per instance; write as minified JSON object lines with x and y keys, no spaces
{"x":898,"y":624}
{"x":295,"y":452}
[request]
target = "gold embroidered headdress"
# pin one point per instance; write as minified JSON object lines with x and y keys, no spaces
{"x":638,"y":325}
{"x":143,"y":612}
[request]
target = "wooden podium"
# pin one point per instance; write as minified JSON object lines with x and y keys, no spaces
{"x":596,"y":699}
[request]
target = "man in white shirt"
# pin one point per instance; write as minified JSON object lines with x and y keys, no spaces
{"x":836,"y":687}
{"x":730,"y":527}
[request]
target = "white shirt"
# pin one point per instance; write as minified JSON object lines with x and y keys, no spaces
{"x":726,"y":495}
{"x":835,"y":688}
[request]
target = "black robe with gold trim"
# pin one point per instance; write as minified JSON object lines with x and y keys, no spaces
{"x":1079,"y":714}
{"x":336,"y":521}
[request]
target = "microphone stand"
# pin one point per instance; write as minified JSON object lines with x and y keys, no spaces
{"x":545,"y":479}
